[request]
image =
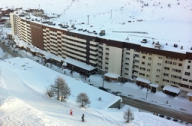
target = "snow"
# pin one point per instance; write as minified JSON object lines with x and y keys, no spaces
{"x":162,"y":24}
{"x":112,"y":75}
{"x":79,"y":64}
{"x":23,"y":82}
{"x":154,"y":85}
{"x":171,"y":89}
{"x":143,"y":80}
{"x":189,"y":94}
{"x":23,"y":100}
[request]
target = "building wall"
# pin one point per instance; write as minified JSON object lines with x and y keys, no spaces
{"x":115,"y":60}
{"x":126,"y":59}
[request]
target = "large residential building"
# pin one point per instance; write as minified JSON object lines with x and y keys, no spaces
{"x":116,"y":59}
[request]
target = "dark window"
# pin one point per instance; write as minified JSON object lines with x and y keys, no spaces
{"x":143,"y":63}
{"x":185,"y":79}
{"x":189,"y":61}
{"x":180,"y":64}
{"x":187,"y":73}
{"x":188,"y":67}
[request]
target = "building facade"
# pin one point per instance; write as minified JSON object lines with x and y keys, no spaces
{"x":127,"y":60}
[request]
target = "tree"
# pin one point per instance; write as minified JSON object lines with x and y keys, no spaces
{"x":60,"y":89}
{"x":83,"y":99}
{"x":128,"y":115}
{"x":1,"y":32}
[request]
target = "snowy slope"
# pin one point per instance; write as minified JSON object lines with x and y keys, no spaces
{"x":23,"y":101}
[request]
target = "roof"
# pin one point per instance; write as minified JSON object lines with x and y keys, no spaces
{"x":79,"y":64}
{"x":189,"y":94}
{"x":143,"y":80}
{"x":154,"y":85}
{"x":171,"y":89}
{"x":112,"y":75}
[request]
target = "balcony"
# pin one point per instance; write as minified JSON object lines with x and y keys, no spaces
{"x":75,"y":47}
{"x":92,"y":47}
{"x":93,"y":43}
{"x":74,"y":38}
{"x":94,"y":62}
{"x":94,"y":53}
{"x":73,"y":51}
{"x":93,"y":57}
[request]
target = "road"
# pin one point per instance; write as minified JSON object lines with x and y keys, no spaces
{"x":158,"y":109}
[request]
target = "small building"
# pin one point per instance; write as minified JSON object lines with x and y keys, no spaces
{"x":79,"y":67}
{"x":142,"y":82}
{"x":111,"y":77}
{"x":154,"y":87}
{"x":190,"y":96}
{"x":171,"y":90}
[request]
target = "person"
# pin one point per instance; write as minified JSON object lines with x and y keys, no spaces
{"x":83,"y":118}
{"x":71,"y":112}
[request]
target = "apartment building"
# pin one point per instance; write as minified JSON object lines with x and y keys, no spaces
{"x":115,"y":59}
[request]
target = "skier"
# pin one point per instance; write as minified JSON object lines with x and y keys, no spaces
{"x":71,"y":112}
{"x":82,"y":118}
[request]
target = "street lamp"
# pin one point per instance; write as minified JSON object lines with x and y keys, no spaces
{"x":103,"y":81}
{"x":147,"y":90}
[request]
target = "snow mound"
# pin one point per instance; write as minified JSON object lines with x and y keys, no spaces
{"x":15,"y":112}
{"x":2,"y":83}
{"x":11,"y":102}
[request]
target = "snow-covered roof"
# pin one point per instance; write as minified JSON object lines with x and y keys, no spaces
{"x":189,"y":94}
{"x":171,"y":89}
{"x":143,"y":80}
{"x":112,"y":75}
{"x":154,"y":85}
{"x":79,"y":64}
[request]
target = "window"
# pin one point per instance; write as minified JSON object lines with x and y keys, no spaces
{"x":143,"y":57}
{"x":180,"y":64}
{"x":185,"y":79}
{"x":190,"y":81}
{"x":148,"y":69}
{"x":157,"y":81}
{"x":166,"y":68}
{"x":184,"y":85}
{"x":166,"y":80}
{"x":143,"y":63}
{"x":149,"y":58}
{"x":126,"y":68}
{"x":159,"y":64}
{"x":107,"y":48}
{"x":127,"y":58}
{"x":157,"y":75}
{"x":147,"y":75}
{"x":160,"y":57}
{"x":188,"y":67}
{"x":158,"y":70}
{"x":187,"y":73}
{"x":126,"y":73}
{"x":149,"y":64}
{"x":166,"y":74}
{"x":189,"y":61}
{"x":174,"y":63}
{"x":128,"y":53}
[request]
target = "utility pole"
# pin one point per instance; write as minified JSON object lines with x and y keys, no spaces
{"x":88,"y":19}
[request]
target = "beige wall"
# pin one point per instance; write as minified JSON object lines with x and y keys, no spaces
{"x":12,"y":23}
{"x":115,"y":60}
